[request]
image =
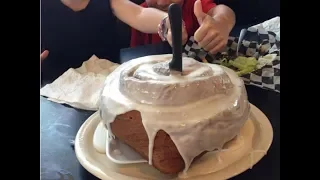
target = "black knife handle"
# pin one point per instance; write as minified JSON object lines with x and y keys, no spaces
{"x":175,"y":17}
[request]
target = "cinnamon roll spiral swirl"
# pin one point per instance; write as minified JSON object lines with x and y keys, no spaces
{"x":152,"y":83}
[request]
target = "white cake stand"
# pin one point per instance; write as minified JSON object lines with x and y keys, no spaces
{"x":257,"y":135}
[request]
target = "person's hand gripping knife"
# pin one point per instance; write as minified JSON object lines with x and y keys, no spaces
{"x":215,"y":27}
{"x":164,"y":31}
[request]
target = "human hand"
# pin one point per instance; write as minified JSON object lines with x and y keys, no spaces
{"x":184,"y":33}
{"x":212,"y":35}
{"x":164,"y":31}
{"x":44,"y":55}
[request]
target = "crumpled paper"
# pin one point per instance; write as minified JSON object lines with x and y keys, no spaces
{"x":81,"y":87}
{"x":271,"y":25}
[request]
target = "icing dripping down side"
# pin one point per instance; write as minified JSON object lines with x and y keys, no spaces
{"x":191,"y":125}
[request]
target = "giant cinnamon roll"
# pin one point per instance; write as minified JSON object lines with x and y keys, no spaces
{"x":168,"y":118}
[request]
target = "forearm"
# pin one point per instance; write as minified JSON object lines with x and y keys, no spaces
{"x":223,"y":14}
{"x":143,"y":19}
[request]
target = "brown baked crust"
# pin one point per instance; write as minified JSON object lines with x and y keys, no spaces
{"x":129,"y":129}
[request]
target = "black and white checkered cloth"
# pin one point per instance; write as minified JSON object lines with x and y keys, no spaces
{"x":256,"y":42}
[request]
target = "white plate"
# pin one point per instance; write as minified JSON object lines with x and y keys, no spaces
{"x":127,"y":155}
{"x":112,"y":149}
{"x":233,"y":163}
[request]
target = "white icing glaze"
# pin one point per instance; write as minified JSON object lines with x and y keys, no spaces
{"x":203,"y":121}
{"x":99,"y":138}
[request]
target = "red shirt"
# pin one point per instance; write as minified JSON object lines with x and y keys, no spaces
{"x":138,"y":38}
